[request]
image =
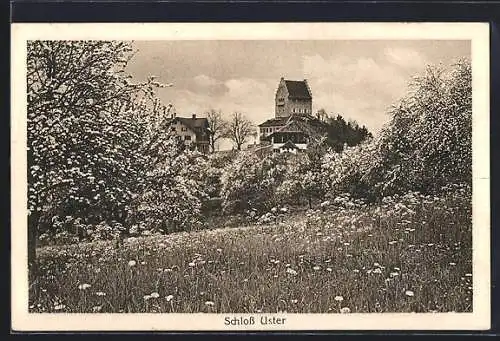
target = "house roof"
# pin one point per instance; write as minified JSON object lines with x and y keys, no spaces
{"x":304,"y":124}
{"x":194,"y":123}
{"x":273,"y":122}
{"x":289,"y":145}
{"x":298,"y":89}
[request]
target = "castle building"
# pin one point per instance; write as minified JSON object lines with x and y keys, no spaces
{"x":293,"y":127}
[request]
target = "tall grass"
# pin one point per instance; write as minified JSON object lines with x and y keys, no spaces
{"x":408,"y":254}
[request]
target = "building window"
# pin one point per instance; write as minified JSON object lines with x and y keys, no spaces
{"x":173,"y":128}
{"x":183,"y":129}
{"x":187,"y":137}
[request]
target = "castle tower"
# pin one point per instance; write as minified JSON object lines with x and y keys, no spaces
{"x":293,"y":98}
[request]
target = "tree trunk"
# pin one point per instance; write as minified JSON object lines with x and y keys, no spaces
{"x":310,"y":202}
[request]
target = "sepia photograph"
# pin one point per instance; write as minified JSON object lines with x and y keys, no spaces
{"x":251,"y":175}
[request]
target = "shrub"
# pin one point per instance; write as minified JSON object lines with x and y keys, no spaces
{"x":250,"y":182}
{"x":425,"y":145}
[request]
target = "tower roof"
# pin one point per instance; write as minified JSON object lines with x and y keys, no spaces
{"x":298,"y":89}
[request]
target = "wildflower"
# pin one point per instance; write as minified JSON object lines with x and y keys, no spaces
{"x":338,"y":298}
{"x":397,"y":269}
{"x":154,"y":295}
{"x":409,"y":293}
{"x":59,"y":307}
{"x":219,"y":250}
{"x":376,"y":264}
{"x":345,"y":310}
{"x":84,"y":286}
{"x":329,"y":269}
{"x":453,"y":264}
{"x":316,"y":268}
{"x":468,"y":275}
{"x":209,"y":303}
{"x":96,"y":309}
{"x":191,"y":264}
{"x":355,"y":271}
{"x":377,"y":271}
{"x":100,"y":293}
{"x":394,"y":274}
{"x":294,"y":301}
{"x":143,"y":263}
{"x":430,"y":244}
{"x":347,"y":244}
{"x":169,"y":298}
{"x":146,"y":297}
{"x":291,"y":271}
{"x":132,"y":263}
{"x":393,"y":242}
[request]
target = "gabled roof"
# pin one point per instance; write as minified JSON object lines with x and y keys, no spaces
{"x":297,"y":89}
{"x":289,"y":145}
{"x":194,"y":123}
{"x":304,"y":124}
{"x":273,"y":122}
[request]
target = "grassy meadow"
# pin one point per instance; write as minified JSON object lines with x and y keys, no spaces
{"x":408,"y":254}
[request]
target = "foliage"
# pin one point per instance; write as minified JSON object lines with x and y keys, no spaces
{"x":341,"y":133}
{"x":93,"y":134}
{"x":172,"y":195}
{"x":427,"y":143}
{"x":249,"y":182}
{"x":303,"y":178}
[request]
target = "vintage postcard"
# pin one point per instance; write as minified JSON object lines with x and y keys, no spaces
{"x":260,"y":176}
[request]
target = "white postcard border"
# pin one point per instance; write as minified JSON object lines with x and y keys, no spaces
{"x":478,"y":33}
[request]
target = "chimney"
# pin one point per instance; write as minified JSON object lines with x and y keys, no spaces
{"x":194,"y":116}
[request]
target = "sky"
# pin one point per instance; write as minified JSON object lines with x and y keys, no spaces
{"x":357,"y":79}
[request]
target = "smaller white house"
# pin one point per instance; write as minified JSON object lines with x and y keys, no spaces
{"x":289,"y":138}
{"x":194,"y":132}
{"x":289,"y":147}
